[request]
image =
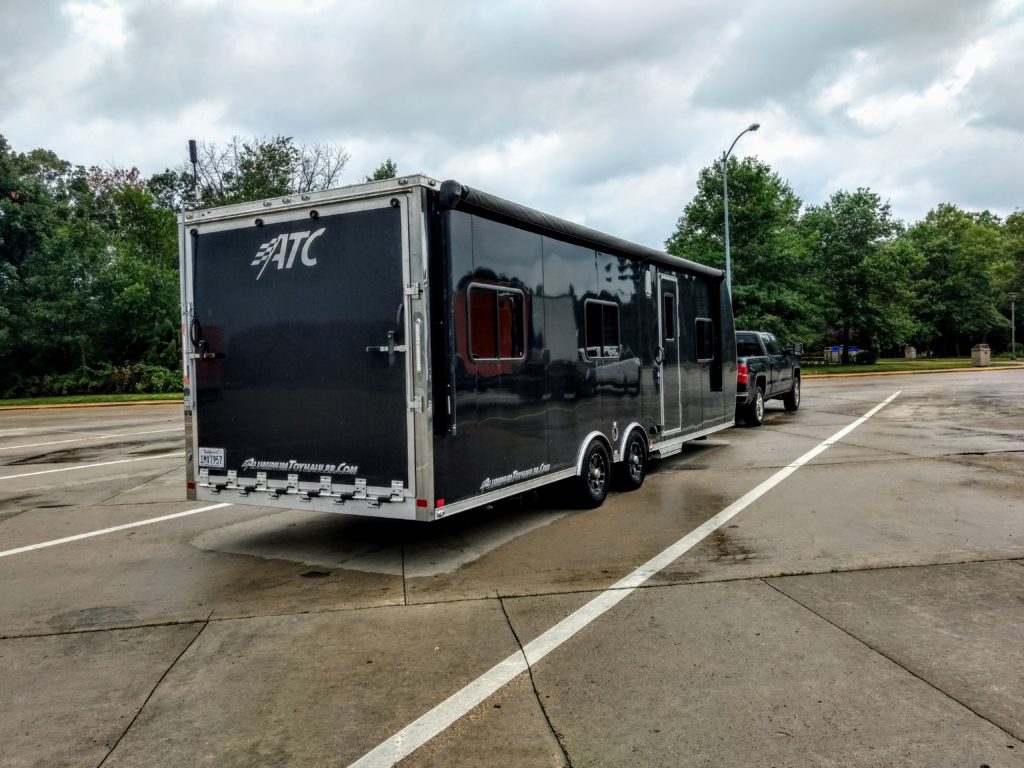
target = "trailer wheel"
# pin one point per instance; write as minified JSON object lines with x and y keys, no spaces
{"x":633,"y":469}
{"x":593,"y":482}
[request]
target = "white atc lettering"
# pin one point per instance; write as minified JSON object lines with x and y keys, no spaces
{"x":277,"y":250}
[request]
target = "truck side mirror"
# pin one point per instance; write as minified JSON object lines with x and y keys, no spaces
{"x":798,"y":349}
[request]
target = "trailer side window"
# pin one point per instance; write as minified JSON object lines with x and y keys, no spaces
{"x":705,"y":335}
{"x":497,"y":323}
{"x":668,"y":316}
{"x":602,"y":330}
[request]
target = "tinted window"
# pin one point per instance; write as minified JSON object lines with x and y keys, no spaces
{"x":668,"y":317}
{"x":774,"y":348}
{"x":747,"y":346}
{"x":497,"y":323}
{"x":602,"y":329}
{"x":705,"y":335}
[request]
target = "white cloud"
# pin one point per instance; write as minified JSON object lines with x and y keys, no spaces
{"x":99,"y":23}
{"x":602,"y":112}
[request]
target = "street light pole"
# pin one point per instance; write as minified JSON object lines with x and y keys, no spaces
{"x":725,"y":185}
{"x":1013,"y":327}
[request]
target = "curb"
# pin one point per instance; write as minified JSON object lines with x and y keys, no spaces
{"x":987,"y":369}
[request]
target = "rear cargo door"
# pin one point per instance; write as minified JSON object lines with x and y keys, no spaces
{"x":299,"y":323}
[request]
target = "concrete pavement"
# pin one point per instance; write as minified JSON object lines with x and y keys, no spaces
{"x":866,"y":611}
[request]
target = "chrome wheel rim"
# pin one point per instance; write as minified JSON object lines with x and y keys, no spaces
{"x":597,"y":474}
{"x":636,"y":461}
{"x":759,"y":406}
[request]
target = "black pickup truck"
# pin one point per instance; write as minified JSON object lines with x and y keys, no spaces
{"x":764,"y":371}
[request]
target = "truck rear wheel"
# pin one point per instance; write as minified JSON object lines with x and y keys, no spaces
{"x":792,"y":398}
{"x":593,"y":481}
{"x":754,"y":414}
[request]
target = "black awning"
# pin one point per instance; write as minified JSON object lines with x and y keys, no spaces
{"x":457,"y":196}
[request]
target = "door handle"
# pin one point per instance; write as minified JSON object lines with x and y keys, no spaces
{"x":390,"y":348}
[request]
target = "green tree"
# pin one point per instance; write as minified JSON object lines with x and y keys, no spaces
{"x":33,"y":195}
{"x":773,"y":285}
{"x":848,"y":237}
{"x":138,"y":284}
{"x":49,"y":247}
{"x":88,"y":271}
{"x":62,"y":309}
{"x":891,"y":312}
{"x":386,"y":170}
{"x":962,"y":254}
{"x":1009,"y":277}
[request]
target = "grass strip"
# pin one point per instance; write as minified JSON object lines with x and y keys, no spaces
{"x":901,"y":365}
{"x":86,"y":399}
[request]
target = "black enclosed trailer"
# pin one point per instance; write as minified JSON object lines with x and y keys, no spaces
{"x":411,"y":349}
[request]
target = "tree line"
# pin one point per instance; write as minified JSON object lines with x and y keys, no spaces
{"x":89,"y":292}
{"x":846,"y":272}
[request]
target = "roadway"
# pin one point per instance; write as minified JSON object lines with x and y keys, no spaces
{"x":853,"y":597}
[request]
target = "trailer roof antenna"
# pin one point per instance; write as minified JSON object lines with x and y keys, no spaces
{"x":193,"y":156}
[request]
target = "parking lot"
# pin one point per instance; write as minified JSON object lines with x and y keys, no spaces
{"x":855,"y":597}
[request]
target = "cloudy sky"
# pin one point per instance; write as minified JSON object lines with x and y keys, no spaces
{"x":601,"y":112}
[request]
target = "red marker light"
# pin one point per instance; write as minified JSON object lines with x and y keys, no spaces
{"x":421,"y":502}
{"x":190,"y":486}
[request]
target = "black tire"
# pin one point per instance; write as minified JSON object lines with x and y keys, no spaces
{"x":792,"y":398}
{"x":753,"y":414}
{"x":633,"y":469}
{"x":596,"y":474}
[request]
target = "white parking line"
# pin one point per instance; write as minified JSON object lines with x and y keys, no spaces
{"x":419,"y":732}
{"x":91,"y":466}
{"x":92,"y":437}
{"x":73,"y":428}
{"x":126,"y":526}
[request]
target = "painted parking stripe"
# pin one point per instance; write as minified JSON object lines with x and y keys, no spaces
{"x":115,"y":529}
{"x":422,"y":730}
{"x":92,"y":437}
{"x":177,"y":455}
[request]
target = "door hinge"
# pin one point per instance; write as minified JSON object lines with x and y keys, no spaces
{"x":415,"y":290}
{"x":416,"y":404}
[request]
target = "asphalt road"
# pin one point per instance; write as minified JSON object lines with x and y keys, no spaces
{"x":850,"y":601}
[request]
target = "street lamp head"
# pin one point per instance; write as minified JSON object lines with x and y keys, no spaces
{"x":754,"y":126}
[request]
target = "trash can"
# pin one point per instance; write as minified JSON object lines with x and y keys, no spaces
{"x":909,"y":353}
{"x":981,"y":356}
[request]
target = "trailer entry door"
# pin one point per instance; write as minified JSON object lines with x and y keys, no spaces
{"x":301,"y":330}
{"x":671,"y":364}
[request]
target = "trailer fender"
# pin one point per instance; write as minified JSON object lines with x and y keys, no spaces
{"x":620,"y":452}
{"x":595,"y":435}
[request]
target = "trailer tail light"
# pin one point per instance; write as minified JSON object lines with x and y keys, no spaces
{"x":742,"y":375}
{"x":190,"y":486}
{"x":422,"y":503}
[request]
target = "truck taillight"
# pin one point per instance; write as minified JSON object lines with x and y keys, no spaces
{"x":742,"y":375}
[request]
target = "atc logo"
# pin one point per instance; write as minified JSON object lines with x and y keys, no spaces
{"x":279,"y":252}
